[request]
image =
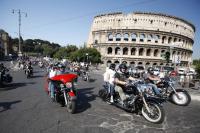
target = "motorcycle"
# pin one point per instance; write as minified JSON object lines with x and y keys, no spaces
{"x":138,"y":101}
{"x":5,"y":77}
{"x":85,"y":75}
{"x":178,"y":96}
{"x":29,"y":72}
{"x":65,"y":92}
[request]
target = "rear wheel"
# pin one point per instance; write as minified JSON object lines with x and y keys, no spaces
{"x":156,"y":113}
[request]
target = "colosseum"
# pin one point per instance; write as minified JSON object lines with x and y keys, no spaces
{"x":141,"y":38}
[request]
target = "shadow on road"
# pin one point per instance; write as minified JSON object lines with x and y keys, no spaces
{"x":14,"y":86}
{"x":7,"y":105}
{"x":37,"y":76}
{"x":92,"y":80}
{"x":85,"y":96}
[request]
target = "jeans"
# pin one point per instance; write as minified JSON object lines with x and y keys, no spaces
{"x":155,"y":88}
{"x":111,"y":89}
{"x":51,"y":89}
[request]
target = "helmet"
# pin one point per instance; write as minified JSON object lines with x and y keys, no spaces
{"x":112,"y":66}
{"x":150,"y":70}
{"x":123,"y":66}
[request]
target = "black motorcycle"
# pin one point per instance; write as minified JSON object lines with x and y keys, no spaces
{"x":178,"y":96}
{"x":29,"y":72}
{"x":138,"y":101}
{"x":85,"y":75}
{"x":5,"y":77}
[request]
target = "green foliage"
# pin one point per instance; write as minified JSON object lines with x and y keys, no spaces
{"x":86,"y":55}
{"x":196,"y":63}
{"x":65,"y":52}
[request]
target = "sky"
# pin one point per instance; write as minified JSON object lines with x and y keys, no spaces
{"x":69,"y":21}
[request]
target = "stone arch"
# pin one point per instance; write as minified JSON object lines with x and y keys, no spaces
{"x":125,"y":51}
{"x":155,"y":64}
{"x":117,"y":51}
{"x":118,"y":37}
{"x":109,"y":50}
{"x":169,"y":40}
{"x":141,"y":51}
{"x":124,"y":62}
{"x":132,"y":64}
{"x":175,"y":39}
{"x":142,"y":37}
{"x":116,"y":62}
{"x":155,"y":53}
{"x":156,"y":38}
{"x":161,"y":64}
{"x":163,"y":39}
{"x":148,"y":52}
{"x":126,"y":37}
{"x":110,"y":37}
{"x":133,"y":51}
{"x":140,"y":63}
{"x":108,"y":62}
{"x":149,"y":38}
{"x":133,"y":37}
{"x":147,"y":64}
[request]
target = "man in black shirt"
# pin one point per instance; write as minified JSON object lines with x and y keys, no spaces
{"x":120,"y":79}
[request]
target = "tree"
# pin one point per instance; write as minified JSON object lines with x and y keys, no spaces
{"x":86,"y":55}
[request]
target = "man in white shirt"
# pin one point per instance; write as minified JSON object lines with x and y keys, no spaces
{"x":52,"y":73}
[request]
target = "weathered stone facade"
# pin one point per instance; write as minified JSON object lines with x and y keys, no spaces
{"x":4,"y":43}
{"x":142,"y":38}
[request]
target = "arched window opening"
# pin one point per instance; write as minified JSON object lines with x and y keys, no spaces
{"x":161,"y":64}
{"x":108,"y":63}
{"x":156,"y":38}
{"x":155,"y":53}
{"x":126,"y":36}
{"x":133,"y":51}
{"x":149,"y":38}
{"x":110,"y":37}
{"x":175,"y":39}
{"x":125,"y":51}
{"x":109,"y":50}
{"x":148,"y":53}
{"x":116,"y":62}
{"x":124,"y":62}
{"x":163,"y":39}
{"x":141,"y":50}
{"x":117,"y":51}
{"x":118,"y":37}
{"x":133,"y":37}
{"x":142,"y":36}
{"x":169,"y":40}
{"x":140,"y":63}
{"x":132,"y":64}
{"x":154,"y":64}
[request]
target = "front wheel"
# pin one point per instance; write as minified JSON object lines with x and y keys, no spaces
{"x":71,"y":105}
{"x":181,"y":98}
{"x":156,"y":114}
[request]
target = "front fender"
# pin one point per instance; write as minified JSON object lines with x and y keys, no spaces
{"x":156,"y":100}
{"x":72,"y":96}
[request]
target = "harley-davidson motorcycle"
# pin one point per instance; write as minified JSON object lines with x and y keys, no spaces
{"x":178,"y":96}
{"x":138,"y":101}
{"x":65,"y":92}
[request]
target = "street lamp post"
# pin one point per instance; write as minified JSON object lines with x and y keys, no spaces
{"x":19,"y":19}
{"x":87,"y":57}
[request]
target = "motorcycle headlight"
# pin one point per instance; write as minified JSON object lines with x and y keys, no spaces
{"x":68,"y":85}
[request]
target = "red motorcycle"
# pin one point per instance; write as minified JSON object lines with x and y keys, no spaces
{"x":65,"y":92}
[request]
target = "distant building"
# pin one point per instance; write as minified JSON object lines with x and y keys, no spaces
{"x":142,"y":39}
{"x":4,"y":43}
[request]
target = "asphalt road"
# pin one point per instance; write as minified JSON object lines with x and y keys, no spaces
{"x":26,"y":108}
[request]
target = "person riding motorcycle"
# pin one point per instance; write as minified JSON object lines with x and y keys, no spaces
{"x":120,"y":78}
{"x":151,"y":79}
